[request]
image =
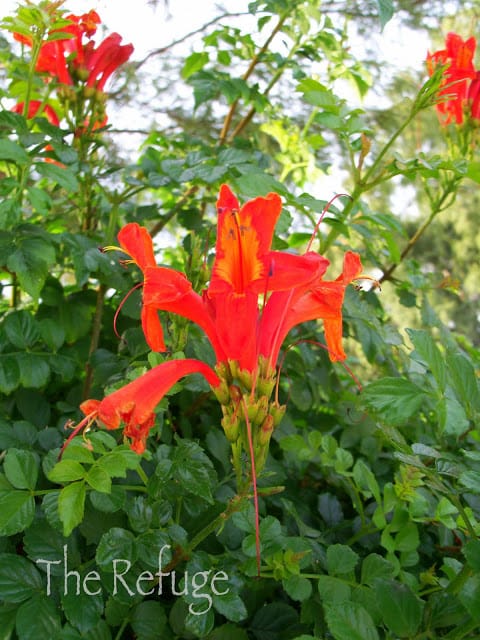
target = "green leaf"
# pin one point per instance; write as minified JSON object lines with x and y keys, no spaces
{"x":31,"y":262}
{"x":333,"y":590}
{"x":430,"y":354}
{"x":83,"y":610}
{"x":193,"y":63}
{"x":401,"y":609}
{"x":341,"y":559}
{"x":472,"y":554}
{"x":374,"y":566}
{"x":17,"y":510}
{"x":148,"y":620}
{"x":394,"y":399}
{"x":61,"y":175}
{"x":116,"y":543}
{"x":21,"y":468}
{"x":350,"y":621}
{"x":273,"y":620}
{"x":21,"y":329}
{"x":34,"y":370}
{"x":99,"y":479}
{"x":464,"y":381}
{"x":385,"y":10}
{"x":19,"y":578}
{"x":193,"y":470}
{"x":38,"y":618}
{"x":71,"y":504}
{"x":66,"y":471}
{"x":229,"y":605}
{"x":10,"y":150}
{"x":469,"y":596}
{"x":298,"y":587}
{"x":9,"y":374}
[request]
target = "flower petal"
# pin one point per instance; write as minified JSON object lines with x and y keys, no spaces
{"x":134,"y":403}
{"x":244,"y":237}
{"x":323,"y":300}
{"x":169,"y":290}
{"x":137,"y":242}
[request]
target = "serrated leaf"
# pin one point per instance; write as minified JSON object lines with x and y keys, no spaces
{"x":31,"y":262}
{"x":9,"y":374}
{"x":19,"y":578}
{"x":21,"y":329}
{"x":298,"y":587}
{"x":71,"y":505}
{"x":148,"y":620}
{"x":350,"y":621}
{"x":193,"y":63}
{"x":34,"y":370}
{"x":21,"y":468}
{"x":83,"y":610}
{"x":385,"y":10}
{"x":374,"y":566}
{"x":394,"y":399}
{"x":341,"y":559}
{"x":60,"y":175}
{"x":116,"y":543}
{"x":10,"y":150}
{"x":17,"y":510}
{"x":66,"y":471}
{"x":401,"y":608}
{"x":429,"y":352}
{"x":38,"y":618}
{"x":99,"y":479}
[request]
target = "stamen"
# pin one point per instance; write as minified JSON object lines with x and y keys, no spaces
{"x":254,"y":483}
{"x":325,"y":210}
{"x":117,"y":312}
{"x":84,"y":425}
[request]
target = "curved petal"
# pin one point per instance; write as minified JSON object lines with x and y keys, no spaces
{"x":236,"y":322}
{"x":137,"y":242}
{"x":134,"y":403}
{"x":244,"y":237}
{"x":289,"y":271}
{"x":152,"y":328}
{"x":323,"y":300}
{"x":169,"y":290}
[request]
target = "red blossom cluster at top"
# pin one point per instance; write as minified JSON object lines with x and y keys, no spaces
{"x":461,"y":82}
{"x":255,"y":297}
{"x":71,"y":59}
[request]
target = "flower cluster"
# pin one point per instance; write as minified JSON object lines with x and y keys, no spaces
{"x":72,"y":59}
{"x":461,"y":82}
{"x":255,"y":296}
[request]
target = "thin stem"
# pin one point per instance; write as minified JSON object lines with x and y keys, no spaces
{"x":94,"y":339}
{"x":165,"y":219}
{"x":251,"y":67}
{"x":437,"y":208}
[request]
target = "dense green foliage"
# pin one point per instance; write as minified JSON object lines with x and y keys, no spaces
{"x":370,"y":499}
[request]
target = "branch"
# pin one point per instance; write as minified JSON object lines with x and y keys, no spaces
{"x":187,"y":36}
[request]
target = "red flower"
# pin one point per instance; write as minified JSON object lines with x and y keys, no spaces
{"x":72,"y":59}
{"x":458,"y":55}
{"x":134,"y":404}
{"x":243,"y":337}
{"x":37,"y":108}
{"x":474,"y":96}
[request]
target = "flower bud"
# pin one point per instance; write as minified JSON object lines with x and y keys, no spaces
{"x":231,"y":426}
{"x":265,"y":431}
{"x":277,"y":411}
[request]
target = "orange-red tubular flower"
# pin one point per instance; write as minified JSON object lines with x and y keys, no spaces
{"x":134,"y":403}
{"x":322,"y":300}
{"x":254,"y":298}
{"x":458,"y":55}
{"x":36,"y":108}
